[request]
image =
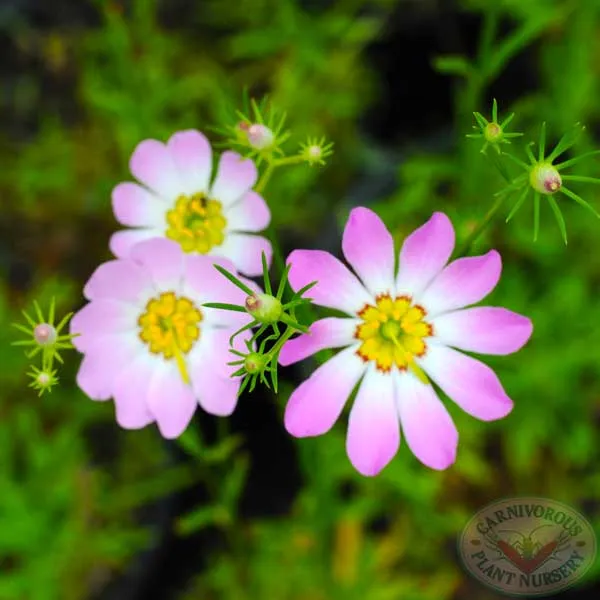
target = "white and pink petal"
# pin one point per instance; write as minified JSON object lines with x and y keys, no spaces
{"x":427,"y":426}
{"x":130,"y":392}
{"x":368,"y":247}
{"x":317,"y":402}
{"x":119,"y":280}
{"x":424,"y":254}
{"x":163,"y":259}
{"x":213,"y":385}
{"x":122,"y":242}
{"x":152,"y":164}
{"x":373,"y":428}
{"x":170,"y":400}
{"x":250,"y":213}
{"x":463,"y":282}
{"x":336,"y":286}
{"x":135,"y":206}
{"x":468,"y":382}
{"x":103,"y":361}
{"x":101,"y":318}
{"x":331,"y":332}
{"x":483,"y":329}
{"x":245,"y":250}
{"x":235,"y":176}
{"x":192,"y":155}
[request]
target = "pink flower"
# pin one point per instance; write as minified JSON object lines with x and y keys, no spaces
{"x":403,"y":328}
{"x":150,"y":345}
{"x":178,"y":201}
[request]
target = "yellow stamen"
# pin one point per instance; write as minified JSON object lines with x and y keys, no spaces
{"x":196,"y":223}
{"x":393,"y":333}
{"x":170,"y":326}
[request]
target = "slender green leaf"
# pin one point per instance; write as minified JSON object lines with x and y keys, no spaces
{"x":559,"y":218}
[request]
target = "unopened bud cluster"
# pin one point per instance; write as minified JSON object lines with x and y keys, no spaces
{"x":264,"y":308}
{"x":45,"y":334}
{"x":44,"y":338}
{"x":545,"y":178}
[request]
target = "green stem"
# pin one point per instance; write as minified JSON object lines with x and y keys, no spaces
{"x":474,"y":236}
{"x":290,"y":160}
{"x":264,"y":179}
{"x":488,"y":37}
{"x":466,"y":246}
{"x":287,"y":334}
{"x":501,"y":167}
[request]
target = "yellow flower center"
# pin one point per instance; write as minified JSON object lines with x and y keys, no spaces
{"x":197,"y":223}
{"x":170,"y":326}
{"x":393,"y":332}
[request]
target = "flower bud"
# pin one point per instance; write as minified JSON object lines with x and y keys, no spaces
{"x":492,"y":133}
{"x":241,"y":131}
{"x":314,"y":152}
{"x":260,"y":136}
{"x":545,"y":178}
{"x":44,"y":334}
{"x":44,"y":379}
{"x":264,"y":308}
{"x":254,"y":363}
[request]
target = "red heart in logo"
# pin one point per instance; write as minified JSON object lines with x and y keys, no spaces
{"x":526,"y":565}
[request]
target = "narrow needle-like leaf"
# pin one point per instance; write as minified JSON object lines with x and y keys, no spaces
{"x":22,"y":328}
{"x":481,"y":120}
{"x":574,"y":161}
{"x":283,"y":281}
{"x":63,"y":322}
{"x":529,"y":152}
{"x":240,"y":330}
{"x":51,"y":312}
{"x":536,"y":215}
{"x":243,"y":386}
{"x":507,"y":121}
{"x":234,"y":280}
{"x":565,"y":142}
{"x":579,"y":200}
{"x":517,"y":204}
{"x":265,"y":267}
{"x":305,"y":289}
{"x":581,"y":178}
{"x":38,"y":312}
{"x":559,"y":218}
{"x":517,"y":161}
{"x":29,"y":319}
{"x":223,"y":306}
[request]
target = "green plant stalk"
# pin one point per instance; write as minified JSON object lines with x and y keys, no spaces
{"x":465,"y":247}
{"x":266,"y":176}
{"x":287,"y":334}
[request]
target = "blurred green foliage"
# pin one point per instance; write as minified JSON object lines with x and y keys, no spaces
{"x":69,"y":524}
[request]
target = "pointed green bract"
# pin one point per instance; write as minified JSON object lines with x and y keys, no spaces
{"x":254,"y":364}
{"x":518,"y":204}
{"x":493,"y":132}
{"x":44,"y":378}
{"x":580,"y":201}
{"x":536,"y":215}
{"x":543,"y":176}
{"x":559,"y":218}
